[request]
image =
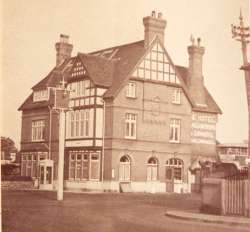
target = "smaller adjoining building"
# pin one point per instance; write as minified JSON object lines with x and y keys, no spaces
{"x":234,"y":154}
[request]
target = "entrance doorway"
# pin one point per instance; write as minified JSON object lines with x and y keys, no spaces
{"x":124,"y":169}
{"x":174,"y":175}
{"x":46,"y":174}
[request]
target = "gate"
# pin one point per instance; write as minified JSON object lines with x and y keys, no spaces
{"x":236,"y":194}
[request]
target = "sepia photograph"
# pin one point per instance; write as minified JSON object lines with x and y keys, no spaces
{"x":122,"y":116}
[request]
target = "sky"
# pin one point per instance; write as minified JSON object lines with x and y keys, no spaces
{"x":31,"y":28}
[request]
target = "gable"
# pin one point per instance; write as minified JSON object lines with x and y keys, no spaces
{"x":78,"y":69}
{"x":156,"y":66}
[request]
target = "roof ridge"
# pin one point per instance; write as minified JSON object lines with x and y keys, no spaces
{"x":94,"y":56}
{"x":122,"y":45}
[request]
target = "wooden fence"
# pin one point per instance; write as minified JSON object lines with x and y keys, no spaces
{"x":235,"y":193}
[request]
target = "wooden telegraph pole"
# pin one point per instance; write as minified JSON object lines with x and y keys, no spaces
{"x":242,"y":34}
{"x":61,"y":104}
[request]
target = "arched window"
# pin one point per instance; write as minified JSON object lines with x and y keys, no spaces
{"x":152,"y":169}
{"x":174,"y":169}
{"x":124,"y":168}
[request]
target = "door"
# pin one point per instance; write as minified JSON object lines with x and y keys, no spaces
{"x":124,"y":169}
{"x":46,"y":175}
{"x":169,"y":180}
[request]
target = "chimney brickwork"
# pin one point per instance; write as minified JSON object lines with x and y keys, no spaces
{"x":153,"y":26}
{"x":63,"y":49}
{"x":195,"y":76}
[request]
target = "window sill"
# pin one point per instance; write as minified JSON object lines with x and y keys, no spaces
{"x":129,"y":97}
{"x":178,"y":181}
{"x":130,"y":138}
{"x":171,"y":141}
{"x":37,"y":141}
{"x":176,"y":103}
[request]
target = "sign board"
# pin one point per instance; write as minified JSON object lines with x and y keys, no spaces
{"x":61,"y":99}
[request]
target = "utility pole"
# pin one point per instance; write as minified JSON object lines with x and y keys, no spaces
{"x":61,"y":104}
{"x":242,"y":34}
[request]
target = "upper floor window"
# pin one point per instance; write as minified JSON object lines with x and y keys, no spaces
{"x":78,"y":124}
{"x":79,"y":89}
{"x":175,"y":130}
{"x":38,"y":128}
{"x":131,"y":90}
{"x":176,"y":96}
{"x":130,"y":126}
{"x":41,"y":95}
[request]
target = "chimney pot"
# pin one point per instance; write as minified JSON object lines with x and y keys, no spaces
{"x":64,"y":38}
{"x":153,"y":27}
{"x":199,"y":42}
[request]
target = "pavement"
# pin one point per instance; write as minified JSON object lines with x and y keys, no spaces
{"x":196,"y":216}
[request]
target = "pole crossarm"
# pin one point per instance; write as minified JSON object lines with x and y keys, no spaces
{"x":241,"y":33}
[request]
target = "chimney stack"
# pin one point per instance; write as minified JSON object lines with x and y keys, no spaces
{"x":63,"y":49}
{"x":153,"y":26}
{"x":195,"y":74}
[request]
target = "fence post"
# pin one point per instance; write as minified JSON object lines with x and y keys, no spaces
{"x":223,"y":196}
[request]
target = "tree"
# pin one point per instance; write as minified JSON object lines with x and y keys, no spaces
{"x":8,"y":148}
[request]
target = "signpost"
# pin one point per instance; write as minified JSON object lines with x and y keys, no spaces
{"x":61,"y":104}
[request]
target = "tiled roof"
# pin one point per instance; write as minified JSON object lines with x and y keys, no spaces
{"x":55,"y":76}
{"x":125,"y":57}
{"x":53,"y":79}
{"x":100,"y":69}
{"x":212,"y":106}
{"x":111,"y":68}
{"x":242,"y":145}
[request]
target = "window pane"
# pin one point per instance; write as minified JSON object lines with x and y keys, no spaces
{"x":95,"y":170}
{"x":168,"y":173}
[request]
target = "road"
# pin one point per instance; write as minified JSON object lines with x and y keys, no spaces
{"x":37,"y":211}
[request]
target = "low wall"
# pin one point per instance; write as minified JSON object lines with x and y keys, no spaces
{"x":17,"y":185}
{"x":211,"y":196}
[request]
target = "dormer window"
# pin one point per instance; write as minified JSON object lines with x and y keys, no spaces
{"x":41,"y":95}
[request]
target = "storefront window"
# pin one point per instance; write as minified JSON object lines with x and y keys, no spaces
{"x":84,"y":165}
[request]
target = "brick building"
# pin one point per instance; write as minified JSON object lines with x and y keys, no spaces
{"x":136,"y":121}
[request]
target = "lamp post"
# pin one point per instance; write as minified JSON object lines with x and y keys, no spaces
{"x":61,"y":104}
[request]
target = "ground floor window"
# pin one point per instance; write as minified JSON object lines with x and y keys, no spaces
{"x":30,"y":163}
{"x":124,"y":169}
{"x":84,"y":165}
{"x":152,"y":169}
{"x":174,"y":169}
